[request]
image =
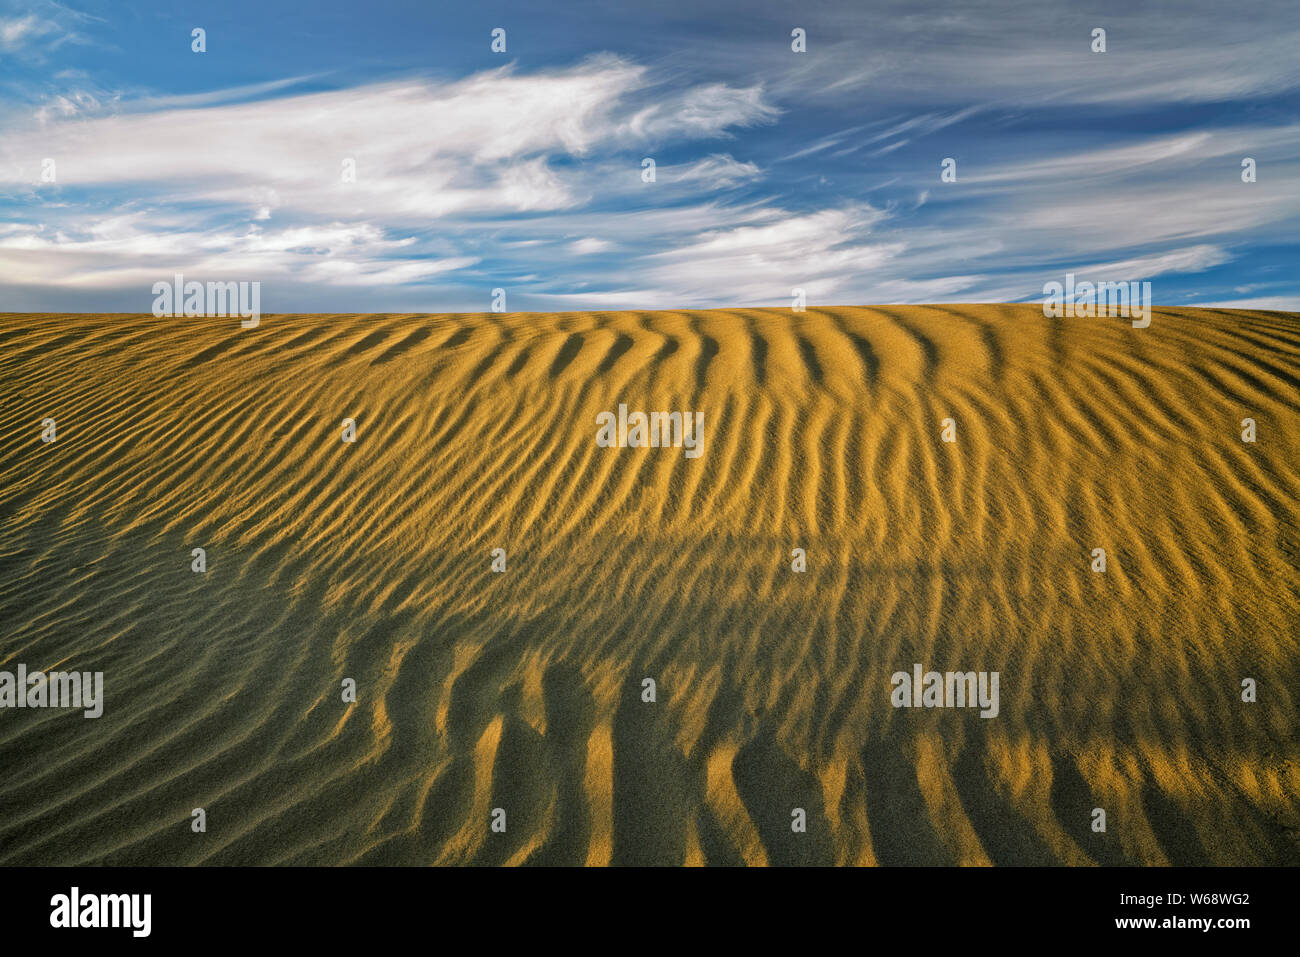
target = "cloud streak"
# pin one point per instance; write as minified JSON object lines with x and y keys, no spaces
{"x":773,"y":170}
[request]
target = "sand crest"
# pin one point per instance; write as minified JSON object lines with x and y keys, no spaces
{"x":523,"y":690}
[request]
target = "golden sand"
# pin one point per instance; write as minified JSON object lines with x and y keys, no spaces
{"x":522,"y":690}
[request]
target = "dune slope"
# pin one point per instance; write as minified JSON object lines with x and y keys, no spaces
{"x":523,"y":690}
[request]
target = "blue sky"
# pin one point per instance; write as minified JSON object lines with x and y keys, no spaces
{"x":523,"y":170}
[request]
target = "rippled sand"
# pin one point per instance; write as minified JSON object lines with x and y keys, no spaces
{"x":522,"y":690}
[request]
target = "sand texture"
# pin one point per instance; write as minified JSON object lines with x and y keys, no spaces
{"x":522,"y":690}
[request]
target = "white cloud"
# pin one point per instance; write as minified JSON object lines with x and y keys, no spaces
{"x":260,"y":183}
{"x":1278,"y":303}
{"x":1188,"y":260}
{"x":122,"y":251}
{"x":16,"y":32}
{"x":1039,"y":52}
{"x":590,"y":245}
{"x":700,"y":112}
{"x":718,"y":171}
{"x":755,"y":262}
{"x":35,"y":35}
{"x":526,"y":179}
{"x":421,"y":149}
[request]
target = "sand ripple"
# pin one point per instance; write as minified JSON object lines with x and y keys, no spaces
{"x":522,"y":691}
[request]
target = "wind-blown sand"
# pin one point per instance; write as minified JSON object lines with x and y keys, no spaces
{"x":522,"y":690}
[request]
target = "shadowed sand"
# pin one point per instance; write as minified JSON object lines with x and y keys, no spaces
{"x":522,"y":690}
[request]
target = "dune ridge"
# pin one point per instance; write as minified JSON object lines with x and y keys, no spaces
{"x":522,"y":690}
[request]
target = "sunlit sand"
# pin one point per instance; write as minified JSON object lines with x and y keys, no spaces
{"x":524,"y":689}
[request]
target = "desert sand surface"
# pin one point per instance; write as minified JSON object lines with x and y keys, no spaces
{"x":523,"y":690}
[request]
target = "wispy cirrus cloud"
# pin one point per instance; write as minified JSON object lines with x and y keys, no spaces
{"x":774,"y":170}
{"x":39,"y":27}
{"x":499,"y":137}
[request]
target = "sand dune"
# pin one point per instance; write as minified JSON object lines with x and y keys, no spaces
{"x":522,"y":690}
